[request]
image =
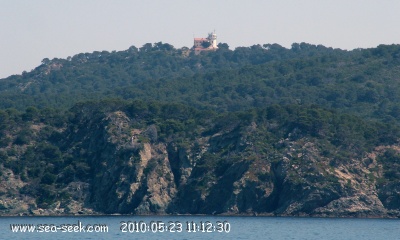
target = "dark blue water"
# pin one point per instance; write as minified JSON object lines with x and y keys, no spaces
{"x":199,"y":227}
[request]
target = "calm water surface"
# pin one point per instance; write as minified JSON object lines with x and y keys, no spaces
{"x":238,"y":227}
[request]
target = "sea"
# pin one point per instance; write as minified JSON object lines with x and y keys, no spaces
{"x":197,"y":227}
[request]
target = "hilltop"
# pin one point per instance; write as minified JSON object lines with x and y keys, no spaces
{"x":362,"y":81}
{"x":305,"y":131}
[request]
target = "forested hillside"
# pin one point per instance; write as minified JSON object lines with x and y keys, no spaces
{"x":305,"y":131}
{"x":362,"y":81}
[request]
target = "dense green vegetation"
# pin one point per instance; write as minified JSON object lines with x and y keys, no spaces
{"x":34,"y":147}
{"x":347,"y":101}
{"x":363,"y":81}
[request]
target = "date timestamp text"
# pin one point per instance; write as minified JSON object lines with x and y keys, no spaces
{"x":175,"y":226}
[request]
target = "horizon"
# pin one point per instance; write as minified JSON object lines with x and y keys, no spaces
{"x":230,"y":48}
{"x":46,"y":29}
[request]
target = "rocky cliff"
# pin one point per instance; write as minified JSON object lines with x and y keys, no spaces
{"x":121,"y":161}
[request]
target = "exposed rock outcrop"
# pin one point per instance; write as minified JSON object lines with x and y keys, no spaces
{"x":224,"y":171}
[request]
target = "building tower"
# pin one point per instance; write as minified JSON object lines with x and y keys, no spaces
{"x":212,"y":38}
{"x":205,"y":44}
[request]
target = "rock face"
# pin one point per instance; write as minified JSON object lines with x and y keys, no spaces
{"x":224,"y":171}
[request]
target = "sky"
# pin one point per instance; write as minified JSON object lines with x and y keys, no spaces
{"x":33,"y":30}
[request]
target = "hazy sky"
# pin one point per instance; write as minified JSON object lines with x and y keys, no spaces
{"x":37,"y":29}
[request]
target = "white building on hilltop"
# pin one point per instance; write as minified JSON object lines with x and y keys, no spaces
{"x":205,"y":44}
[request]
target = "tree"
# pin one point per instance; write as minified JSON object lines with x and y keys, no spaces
{"x":45,"y":61}
{"x":31,"y":113}
{"x":205,"y":44}
{"x":146,"y":47}
{"x":224,"y":46}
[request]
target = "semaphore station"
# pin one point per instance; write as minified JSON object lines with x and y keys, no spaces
{"x":205,"y":44}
